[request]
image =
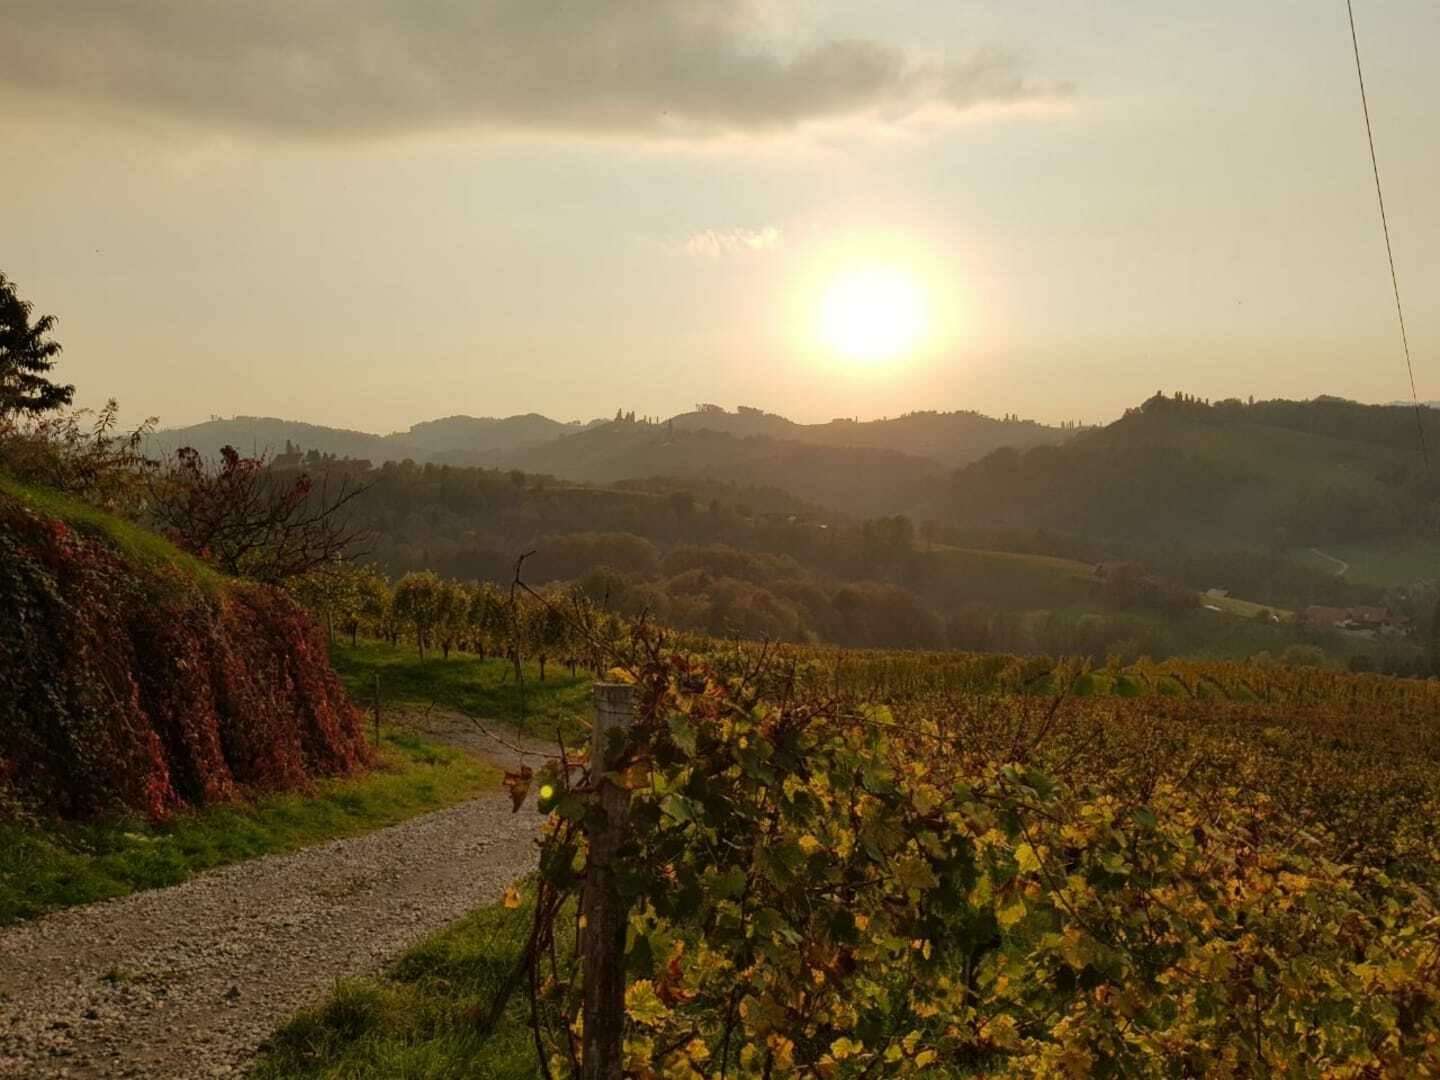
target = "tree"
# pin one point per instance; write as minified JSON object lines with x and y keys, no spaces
{"x":25,"y":357}
{"x":248,"y":521}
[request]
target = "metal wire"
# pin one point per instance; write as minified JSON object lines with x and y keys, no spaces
{"x":1385,"y":226}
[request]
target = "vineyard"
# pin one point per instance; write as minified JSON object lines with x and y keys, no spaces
{"x":889,"y":864}
{"x":562,"y":624}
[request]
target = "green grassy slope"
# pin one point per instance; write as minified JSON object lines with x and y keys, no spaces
{"x":484,"y":689}
{"x":137,"y":544}
{"x":1048,"y":581}
{"x":1398,"y":562}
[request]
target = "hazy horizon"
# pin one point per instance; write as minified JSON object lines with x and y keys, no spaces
{"x":486,"y":209}
{"x":581,"y":421}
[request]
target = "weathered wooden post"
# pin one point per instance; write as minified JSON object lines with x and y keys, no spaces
{"x":377,"y":710}
{"x":603,"y":937}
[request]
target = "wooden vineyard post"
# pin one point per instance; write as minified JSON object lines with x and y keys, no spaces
{"x":377,"y":710}
{"x":603,"y":936}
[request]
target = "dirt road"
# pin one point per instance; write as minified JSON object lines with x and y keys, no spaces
{"x":188,"y":981}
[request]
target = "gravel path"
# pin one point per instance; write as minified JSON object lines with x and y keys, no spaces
{"x":188,"y":981}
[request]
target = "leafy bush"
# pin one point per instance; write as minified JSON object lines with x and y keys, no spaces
{"x":147,"y":687}
{"x":80,"y":453}
{"x":1181,"y":887}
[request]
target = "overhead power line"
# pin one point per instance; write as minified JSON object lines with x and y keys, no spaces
{"x":1385,"y":227}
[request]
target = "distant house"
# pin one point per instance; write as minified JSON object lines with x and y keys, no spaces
{"x":291,"y":459}
{"x":1321,"y":617}
{"x":1364,"y":620}
{"x":1217,"y":594}
{"x":1370,"y":616}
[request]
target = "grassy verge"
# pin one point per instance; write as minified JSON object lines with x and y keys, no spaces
{"x":421,"y":1019}
{"x":486,"y":689}
{"x":43,"y":868}
{"x":143,"y":547}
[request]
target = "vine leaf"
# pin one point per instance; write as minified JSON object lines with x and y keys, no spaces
{"x":518,"y":784}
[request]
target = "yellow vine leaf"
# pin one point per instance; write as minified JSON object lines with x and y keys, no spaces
{"x":1027,"y":859}
{"x":1011,"y":914}
{"x":643,"y":1004}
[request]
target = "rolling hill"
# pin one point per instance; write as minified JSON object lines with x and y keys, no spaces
{"x":257,"y":435}
{"x":453,"y":440}
{"x":951,"y":438}
{"x":856,"y":480}
{"x":853,"y":467}
{"x":1184,"y":476}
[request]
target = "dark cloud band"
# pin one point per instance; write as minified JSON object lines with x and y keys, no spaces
{"x":355,"y":67}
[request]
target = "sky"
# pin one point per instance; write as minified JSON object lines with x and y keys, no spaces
{"x":374,"y":212}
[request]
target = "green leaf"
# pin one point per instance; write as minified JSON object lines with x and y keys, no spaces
{"x":727,"y":885}
{"x":913,"y":872}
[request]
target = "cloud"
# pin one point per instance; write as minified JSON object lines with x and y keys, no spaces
{"x":715,"y":243}
{"x":348,"y":68}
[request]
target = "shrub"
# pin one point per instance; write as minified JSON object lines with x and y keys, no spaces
{"x":140,"y":686}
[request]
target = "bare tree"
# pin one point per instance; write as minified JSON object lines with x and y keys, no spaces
{"x":249,"y":520}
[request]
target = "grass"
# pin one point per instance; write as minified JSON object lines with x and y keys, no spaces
{"x":485,"y":689}
{"x":421,"y":1019}
{"x":1246,"y":609}
{"x":1396,"y":562}
{"x":1065,"y":582}
{"x":136,"y":543}
{"x":47,"y":867}
{"x":1054,"y":565}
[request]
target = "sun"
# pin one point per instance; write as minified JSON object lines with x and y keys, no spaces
{"x":873,"y":313}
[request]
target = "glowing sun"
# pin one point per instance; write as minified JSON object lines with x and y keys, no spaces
{"x":873,"y":313}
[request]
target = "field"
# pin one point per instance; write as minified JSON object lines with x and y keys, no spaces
{"x":1048,"y":581}
{"x":946,"y":865}
{"x":1395,"y":563}
{"x":1024,"y":581}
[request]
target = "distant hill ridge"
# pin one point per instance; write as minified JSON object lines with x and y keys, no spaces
{"x":948,"y":437}
{"x":1179,"y":473}
{"x":876,"y":466}
{"x":454,"y":439}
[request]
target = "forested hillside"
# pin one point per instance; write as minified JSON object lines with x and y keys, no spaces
{"x":748,"y":523}
{"x":1181,"y":472}
{"x":758,"y":563}
{"x":951,"y":438}
{"x":268,"y":435}
{"x":859,"y":480}
{"x":457,"y":440}
{"x":853,"y":467}
{"x":1219,"y":490}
